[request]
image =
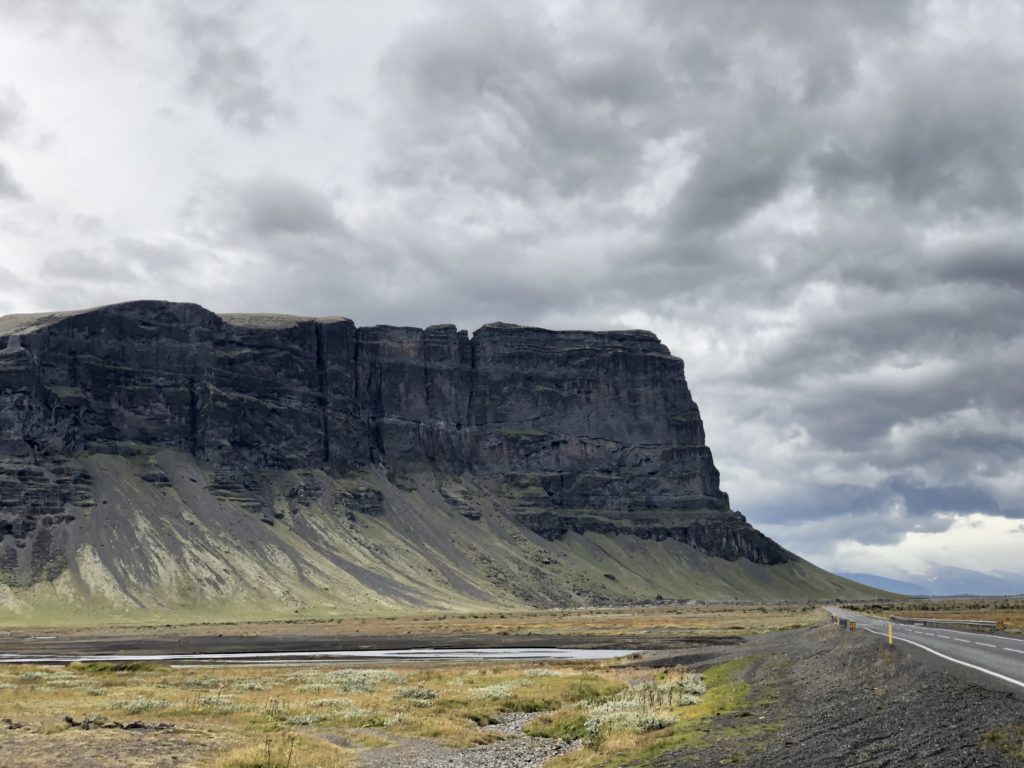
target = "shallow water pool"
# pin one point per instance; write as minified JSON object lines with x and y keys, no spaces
{"x":307,"y":657}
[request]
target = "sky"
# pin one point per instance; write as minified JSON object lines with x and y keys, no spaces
{"x":817,"y":205}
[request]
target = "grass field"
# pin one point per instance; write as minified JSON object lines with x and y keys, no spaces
{"x":299,"y":716}
{"x":233,"y":717}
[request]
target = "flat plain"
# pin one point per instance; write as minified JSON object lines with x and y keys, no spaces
{"x":644,"y":627}
{"x":565,"y":713}
{"x":709,"y":684}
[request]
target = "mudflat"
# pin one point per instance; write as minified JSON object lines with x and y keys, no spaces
{"x":640,"y":628}
{"x":301,"y":643}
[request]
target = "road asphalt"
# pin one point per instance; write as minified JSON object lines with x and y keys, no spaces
{"x":1000,"y":657}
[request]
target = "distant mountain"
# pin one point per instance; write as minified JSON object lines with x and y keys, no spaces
{"x":889,"y":585}
{"x":945,"y":581}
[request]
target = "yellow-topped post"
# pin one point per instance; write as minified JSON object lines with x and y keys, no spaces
{"x":890,"y":633}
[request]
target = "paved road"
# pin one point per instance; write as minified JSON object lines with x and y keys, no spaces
{"x":998,"y":656}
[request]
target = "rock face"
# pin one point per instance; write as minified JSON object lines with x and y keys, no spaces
{"x":570,"y":431}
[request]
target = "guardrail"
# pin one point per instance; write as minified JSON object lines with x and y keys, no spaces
{"x":972,"y":626}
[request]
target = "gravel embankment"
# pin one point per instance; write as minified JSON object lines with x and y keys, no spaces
{"x":838,"y":698}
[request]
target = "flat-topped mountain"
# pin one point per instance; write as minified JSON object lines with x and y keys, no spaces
{"x":159,"y":457}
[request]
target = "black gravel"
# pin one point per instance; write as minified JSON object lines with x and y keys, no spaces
{"x":830,"y":697}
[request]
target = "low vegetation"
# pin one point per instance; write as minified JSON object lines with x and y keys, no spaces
{"x":303,"y":716}
{"x":1008,"y":740}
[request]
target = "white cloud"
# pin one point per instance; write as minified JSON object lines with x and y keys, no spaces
{"x":986,"y":543}
{"x":816,"y":205}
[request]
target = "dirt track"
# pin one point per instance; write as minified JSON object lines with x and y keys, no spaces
{"x":833,"y":698}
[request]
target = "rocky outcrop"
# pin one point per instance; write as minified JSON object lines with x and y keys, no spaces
{"x":570,"y":430}
{"x":727,"y":536}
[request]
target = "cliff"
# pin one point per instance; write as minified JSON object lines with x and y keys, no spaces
{"x":329,"y":436}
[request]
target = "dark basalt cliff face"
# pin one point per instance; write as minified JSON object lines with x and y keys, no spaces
{"x":570,"y":430}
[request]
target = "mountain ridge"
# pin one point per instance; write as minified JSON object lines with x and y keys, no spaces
{"x":326,"y":436}
{"x":945,"y":581}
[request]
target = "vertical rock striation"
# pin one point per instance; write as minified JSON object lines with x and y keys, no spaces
{"x":573,"y":431}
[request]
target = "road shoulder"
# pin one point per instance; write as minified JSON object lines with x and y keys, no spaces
{"x":827,"y":697}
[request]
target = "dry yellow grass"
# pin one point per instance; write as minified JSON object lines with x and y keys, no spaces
{"x":310,"y":715}
{"x":304,"y":716}
{"x":289,"y":751}
{"x":281,"y":715}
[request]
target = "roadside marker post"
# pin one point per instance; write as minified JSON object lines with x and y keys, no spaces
{"x":890,"y":633}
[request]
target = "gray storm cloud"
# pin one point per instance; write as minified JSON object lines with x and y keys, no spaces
{"x":223,"y":69}
{"x":9,"y":187}
{"x":817,"y":205}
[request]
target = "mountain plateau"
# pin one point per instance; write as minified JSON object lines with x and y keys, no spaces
{"x":160,"y":460}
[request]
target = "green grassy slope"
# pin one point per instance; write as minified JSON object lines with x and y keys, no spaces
{"x":177,"y":550}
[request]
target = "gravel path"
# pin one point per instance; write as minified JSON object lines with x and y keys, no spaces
{"x":516,"y":751}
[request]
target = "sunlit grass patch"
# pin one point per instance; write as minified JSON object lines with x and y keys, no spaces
{"x":347,"y":680}
{"x":415,"y":692}
{"x":214,"y":705}
{"x":33,"y":676}
{"x":649,"y":706}
{"x":598,"y":701}
{"x":287,"y":750}
{"x":1009,"y":740}
{"x":135,"y":705}
{"x":650,"y":718}
{"x":568,"y":723}
{"x":498,"y":691}
{"x":544,"y":672}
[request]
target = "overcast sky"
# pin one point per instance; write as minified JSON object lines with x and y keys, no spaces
{"x":817,"y":205}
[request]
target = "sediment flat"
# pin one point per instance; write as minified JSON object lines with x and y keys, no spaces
{"x":49,"y":645}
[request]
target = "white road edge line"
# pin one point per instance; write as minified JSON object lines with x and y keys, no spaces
{"x":955,"y":661}
{"x":975,"y":634}
{"x":968,"y":634}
